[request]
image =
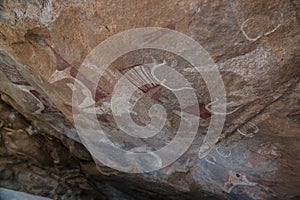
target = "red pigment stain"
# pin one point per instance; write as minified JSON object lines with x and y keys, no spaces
{"x":97,"y":91}
{"x":49,"y":107}
{"x":157,"y":95}
{"x":140,"y":74}
{"x":13,"y":74}
{"x":295,"y":113}
{"x":61,"y":63}
{"x":102,"y":118}
{"x":204,"y":113}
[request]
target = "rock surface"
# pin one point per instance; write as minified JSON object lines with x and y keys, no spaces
{"x":255,"y":45}
{"x":11,"y":195}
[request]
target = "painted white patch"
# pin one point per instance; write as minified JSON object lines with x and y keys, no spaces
{"x":59,"y":75}
{"x":163,"y":82}
{"x":207,"y":107}
{"x":27,"y":89}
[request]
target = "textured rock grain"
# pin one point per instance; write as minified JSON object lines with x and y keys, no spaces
{"x":255,"y":45}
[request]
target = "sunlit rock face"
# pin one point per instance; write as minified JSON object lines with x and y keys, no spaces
{"x":254,"y":45}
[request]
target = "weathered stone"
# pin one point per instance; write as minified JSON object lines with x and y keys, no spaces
{"x":255,"y":45}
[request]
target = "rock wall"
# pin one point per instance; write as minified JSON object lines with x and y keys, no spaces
{"x":255,"y":45}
